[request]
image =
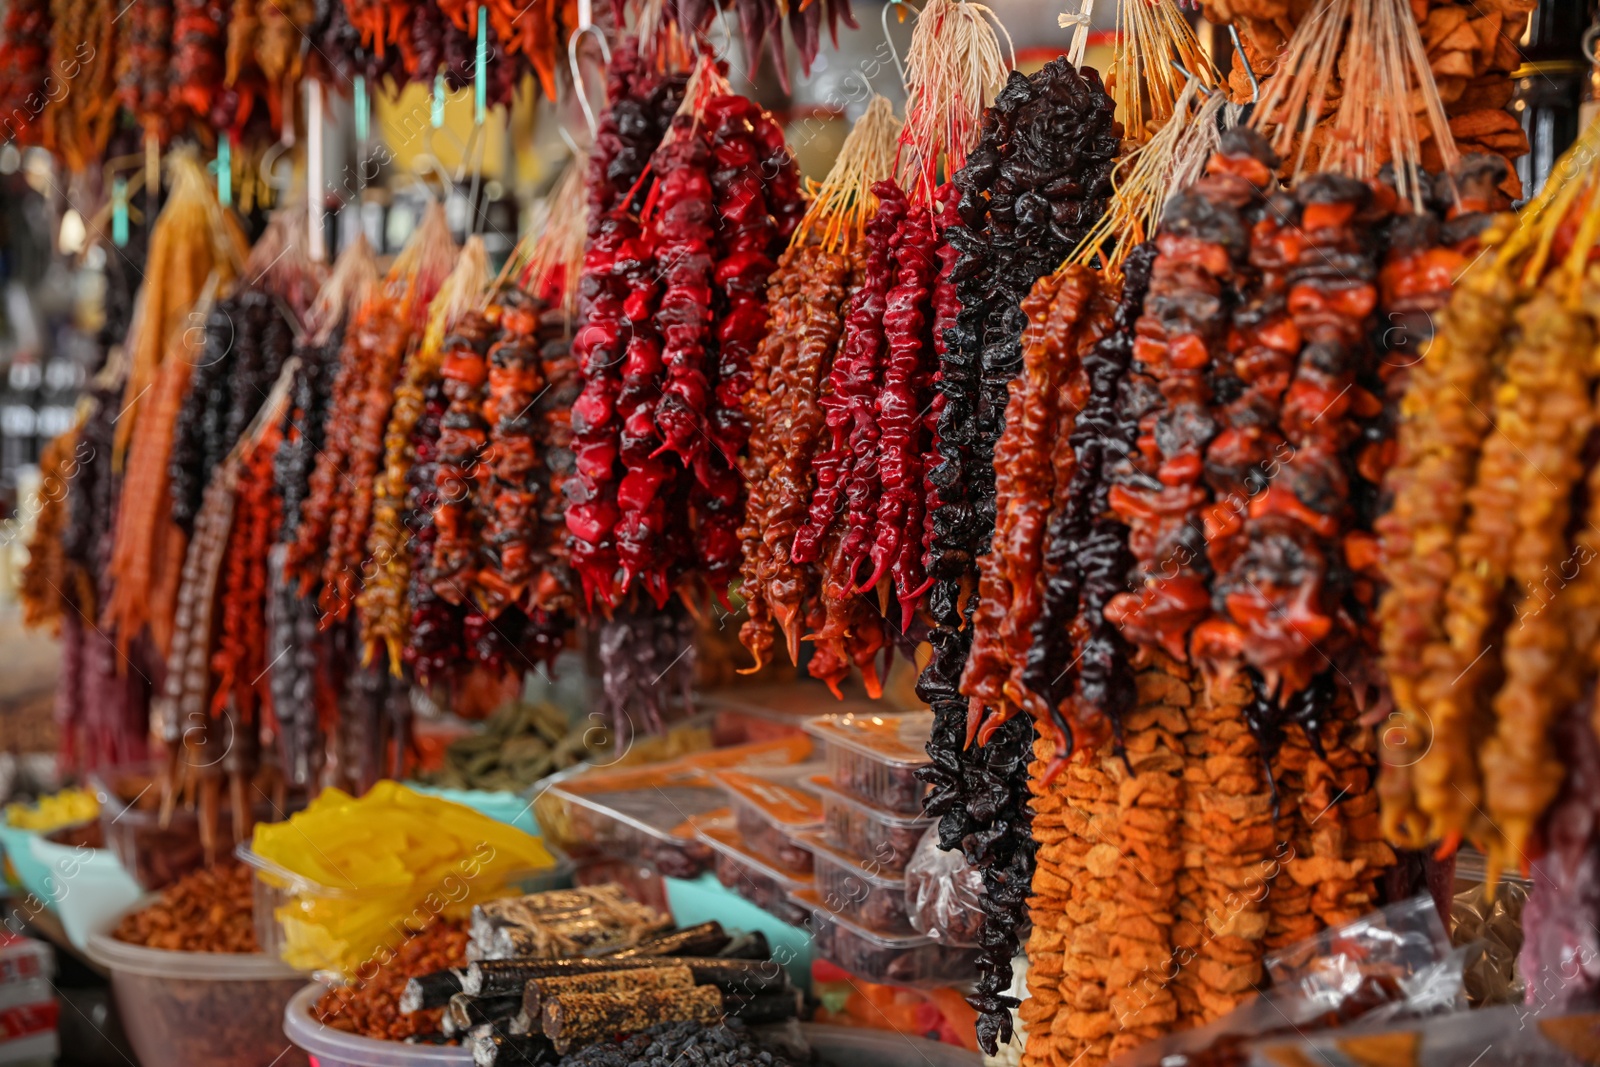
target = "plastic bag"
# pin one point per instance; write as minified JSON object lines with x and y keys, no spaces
{"x":1494,"y":924}
{"x":1392,"y":964}
{"x":943,"y":893}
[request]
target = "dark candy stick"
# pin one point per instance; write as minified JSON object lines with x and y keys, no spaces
{"x":706,"y":939}
{"x":750,"y":946}
{"x":539,"y":990}
{"x":465,"y":1011}
{"x":493,"y":978}
{"x":766,"y":1007}
{"x":495,"y":1049}
{"x":430,"y":990}
{"x":579,"y":1019}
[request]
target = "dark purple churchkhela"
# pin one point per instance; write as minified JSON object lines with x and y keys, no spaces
{"x":1038,"y":179}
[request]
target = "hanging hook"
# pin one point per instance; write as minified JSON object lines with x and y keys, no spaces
{"x":577,"y":72}
{"x":269,"y":164}
{"x":567,"y":139}
{"x":888,"y":38}
{"x":1244,"y":61}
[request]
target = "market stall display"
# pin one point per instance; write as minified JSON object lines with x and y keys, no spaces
{"x":1221,"y":476}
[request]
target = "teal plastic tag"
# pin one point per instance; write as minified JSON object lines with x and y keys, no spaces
{"x":363,"y":118}
{"x":480,"y":83}
{"x":438,"y":100}
{"x":119,"y":211}
{"x":225,"y":170}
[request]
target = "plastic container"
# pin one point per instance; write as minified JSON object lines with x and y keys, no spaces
{"x":912,"y":959}
{"x":762,"y":884}
{"x":282,"y":898}
{"x":337,"y":1048}
{"x":861,"y":892}
{"x":858,"y":829}
{"x":655,"y":824}
{"x":771,"y":810}
{"x":650,"y":813}
{"x":157,"y":855}
{"x":876,"y":757}
{"x":219,"y":1009}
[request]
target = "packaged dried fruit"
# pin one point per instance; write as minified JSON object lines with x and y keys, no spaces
{"x":763,"y":885}
{"x":876,"y":757}
{"x":912,"y":960}
{"x":860,"y":891}
{"x":864,"y":831}
{"x":770,"y":810}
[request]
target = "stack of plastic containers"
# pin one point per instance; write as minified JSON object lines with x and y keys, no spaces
{"x":760,"y":851}
{"x":871,"y":823}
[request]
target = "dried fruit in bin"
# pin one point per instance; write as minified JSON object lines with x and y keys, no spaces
{"x":208,"y":910}
{"x":371,"y":1007}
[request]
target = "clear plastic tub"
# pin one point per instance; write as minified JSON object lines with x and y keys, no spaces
{"x":655,"y":824}
{"x":861,"y":892}
{"x":876,"y":757}
{"x":650,"y":814}
{"x":865,"y":832}
{"x":770,"y":810}
{"x":154,"y":854}
{"x":337,"y":1048}
{"x":760,"y":883}
{"x":912,"y":960}
{"x":215,"y":1008}
{"x":289,"y":909}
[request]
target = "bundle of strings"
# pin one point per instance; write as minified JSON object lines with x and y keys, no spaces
{"x":1377,"y":52}
{"x":842,"y":202}
{"x":1146,"y":179}
{"x":1156,"y":54}
{"x":954,"y":70}
{"x":191,"y":238}
{"x":352,"y":280}
{"x":552,"y":257}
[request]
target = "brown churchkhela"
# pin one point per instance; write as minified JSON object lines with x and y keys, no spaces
{"x":1228,"y":807}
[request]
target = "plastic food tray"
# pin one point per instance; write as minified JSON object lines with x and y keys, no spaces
{"x":861,"y":891}
{"x":762,"y":884}
{"x":913,"y":960}
{"x":876,"y":757}
{"x":859,"y":829}
{"x":216,"y":1008}
{"x":655,"y":824}
{"x":770,"y":810}
{"x":337,"y":1048}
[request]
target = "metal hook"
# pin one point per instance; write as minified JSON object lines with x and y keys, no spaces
{"x":269,"y":164}
{"x":427,"y":163}
{"x":577,"y":73}
{"x":888,"y":39}
{"x":567,"y":138}
{"x":1238,"y":48}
